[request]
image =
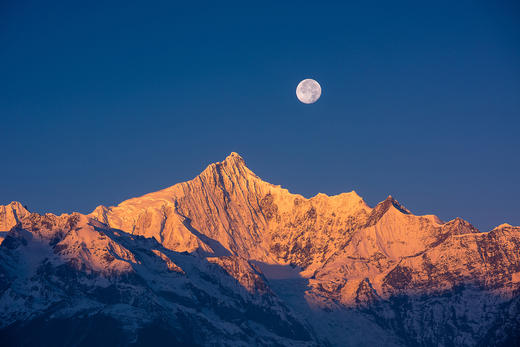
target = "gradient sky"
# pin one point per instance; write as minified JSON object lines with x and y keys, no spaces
{"x":100,"y":103}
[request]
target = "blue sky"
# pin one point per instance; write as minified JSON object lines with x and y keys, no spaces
{"x":102,"y":102}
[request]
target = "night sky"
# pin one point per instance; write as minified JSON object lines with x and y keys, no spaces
{"x":100,"y":103}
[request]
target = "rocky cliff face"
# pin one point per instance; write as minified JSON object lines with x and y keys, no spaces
{"x":227,"y":258}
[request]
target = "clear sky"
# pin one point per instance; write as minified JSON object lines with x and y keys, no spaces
{"x":421,"y":100}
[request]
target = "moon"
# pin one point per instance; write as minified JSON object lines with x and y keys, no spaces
{"x":308,"y":91}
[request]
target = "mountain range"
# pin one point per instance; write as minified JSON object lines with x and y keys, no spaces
{"x":228,"y":259}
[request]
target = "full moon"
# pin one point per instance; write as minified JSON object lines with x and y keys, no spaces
{"x":308,"y":91}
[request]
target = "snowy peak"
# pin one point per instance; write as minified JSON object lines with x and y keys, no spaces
{"x":504,"y":226}
{"x":459,"y":226}
{"x":233,"y":163}
{"x":10,"y":215}
{"x":383,"y":207}
{"x":233,"y":168}
{"x":234,"y":159}
{"x":390,"y":201}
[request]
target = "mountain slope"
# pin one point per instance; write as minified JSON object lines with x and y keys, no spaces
{"x":54,"y":269}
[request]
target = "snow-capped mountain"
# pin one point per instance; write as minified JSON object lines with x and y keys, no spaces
{"x":227,"y":259}
{"x":10,"y":215}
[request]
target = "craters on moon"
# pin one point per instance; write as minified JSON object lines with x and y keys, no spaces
{"x":308,"y":91}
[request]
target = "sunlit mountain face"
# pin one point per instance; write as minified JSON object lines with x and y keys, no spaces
{"x":227,"y":259}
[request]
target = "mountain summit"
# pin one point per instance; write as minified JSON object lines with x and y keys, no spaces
{"x":229,"y":259}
